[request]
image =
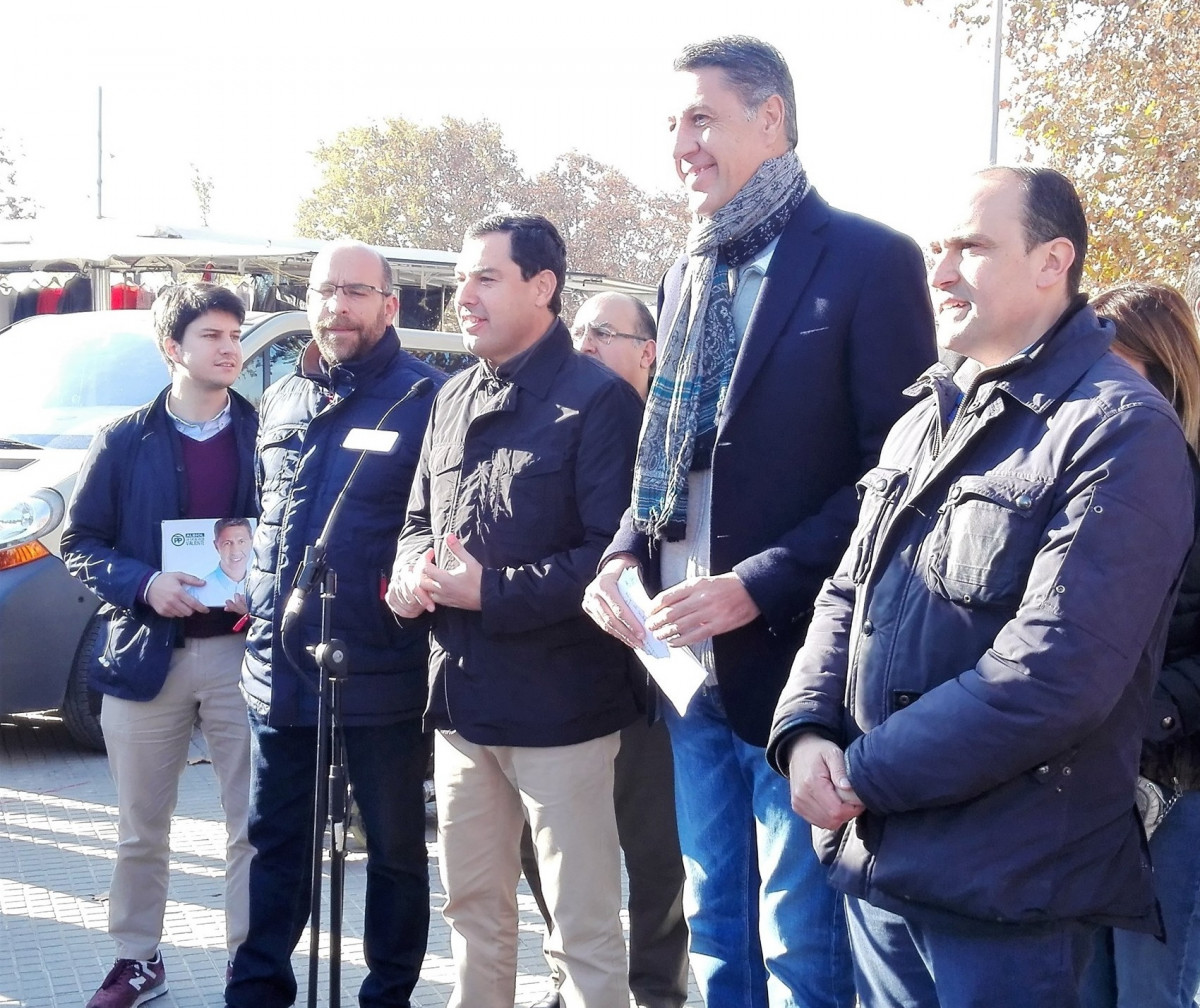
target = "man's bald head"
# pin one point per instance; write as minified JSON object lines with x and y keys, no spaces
{"x":350,"y":300}
{"x":627,"y":325}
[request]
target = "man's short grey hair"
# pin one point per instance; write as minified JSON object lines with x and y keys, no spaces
{"x":646,"y":325}
{"x":386,"y":270}
{"x":754,"y":69}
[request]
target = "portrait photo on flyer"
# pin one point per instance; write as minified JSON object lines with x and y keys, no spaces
{"x":215,"y":549}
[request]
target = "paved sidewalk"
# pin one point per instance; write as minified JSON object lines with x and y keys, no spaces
{"x":57,"y":837}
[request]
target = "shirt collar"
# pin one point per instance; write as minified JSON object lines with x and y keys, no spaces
{"x":205,"y":428}
{"x":761,"y":261}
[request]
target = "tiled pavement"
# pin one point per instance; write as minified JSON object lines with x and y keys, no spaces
{"x":57,"y":835}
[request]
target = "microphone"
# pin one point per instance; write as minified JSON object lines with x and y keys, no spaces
{"x":312,"y":569}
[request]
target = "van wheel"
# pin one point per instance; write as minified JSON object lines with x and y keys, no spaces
{"x":81,"y":709}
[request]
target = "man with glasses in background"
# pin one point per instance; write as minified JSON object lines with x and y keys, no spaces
{"x":619,"y":331}
{"x":350,"y":378}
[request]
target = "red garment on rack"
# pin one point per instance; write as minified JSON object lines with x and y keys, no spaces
{"x":48,"y":299}
{"x":124,"y":295}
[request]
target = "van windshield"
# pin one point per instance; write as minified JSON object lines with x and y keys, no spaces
{"x":74,"y":379}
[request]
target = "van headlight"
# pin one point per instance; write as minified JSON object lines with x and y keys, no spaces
{"x":30,"y":517}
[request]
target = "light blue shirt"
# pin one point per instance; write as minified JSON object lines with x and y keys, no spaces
{"x":218,"y":588}
{"x":206,"y":428}
{"x":745,"y":283}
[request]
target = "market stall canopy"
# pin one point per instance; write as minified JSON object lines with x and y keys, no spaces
{"x":116,"y":247}
{"x":111,"y":245}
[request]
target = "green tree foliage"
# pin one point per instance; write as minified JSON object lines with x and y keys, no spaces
{"x":1108,"y":92}
{"x":398,"y":183}
{"x":13,"y":206}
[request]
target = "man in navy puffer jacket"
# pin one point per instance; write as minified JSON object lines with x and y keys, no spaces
{"x":352,"y":376}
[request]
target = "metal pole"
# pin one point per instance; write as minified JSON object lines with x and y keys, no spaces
{"x":99,"y":153}
{"x":997,"y":53}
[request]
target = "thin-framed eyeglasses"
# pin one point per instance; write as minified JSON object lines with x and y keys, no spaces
{"x":354,"y":291}
{"x":602,"y":334}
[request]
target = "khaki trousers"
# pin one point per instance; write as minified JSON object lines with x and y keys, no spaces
{"x":484,"y":796}
{"x":147,"y":744}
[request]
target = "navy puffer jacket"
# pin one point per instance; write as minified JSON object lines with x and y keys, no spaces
{"x":301,"y":469}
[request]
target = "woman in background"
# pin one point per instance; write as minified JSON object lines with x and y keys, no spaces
{"x":1156,"y":335}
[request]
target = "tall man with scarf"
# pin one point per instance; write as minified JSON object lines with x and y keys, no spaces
{"x":788,"y":331}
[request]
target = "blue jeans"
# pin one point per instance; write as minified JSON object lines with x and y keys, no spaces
{"x":765,"y":927}
{"x":1137,"y":970}
{"x":386,"y":767}
{"x":901,"y":963}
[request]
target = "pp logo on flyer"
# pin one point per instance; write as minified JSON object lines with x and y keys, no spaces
{"x":188,"y":539}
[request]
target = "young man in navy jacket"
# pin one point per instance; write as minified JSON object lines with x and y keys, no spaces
{"x":161,"y":658}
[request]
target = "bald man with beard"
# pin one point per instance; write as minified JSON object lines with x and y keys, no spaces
{"x":351,"y":377}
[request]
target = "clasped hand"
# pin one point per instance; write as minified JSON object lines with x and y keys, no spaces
{"x":820,"y":788}
{"x":422,"y":585}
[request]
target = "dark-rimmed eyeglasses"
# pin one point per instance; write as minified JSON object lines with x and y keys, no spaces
{"x":354,"y":291}
{"x":602,"y":334}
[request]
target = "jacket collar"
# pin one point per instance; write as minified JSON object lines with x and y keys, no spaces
{"x":342,"y":379}
{"x":536,"y":367}
{"x":157,"y":412}
{"x":1040,"y":375}
{"x":1053,"y":365}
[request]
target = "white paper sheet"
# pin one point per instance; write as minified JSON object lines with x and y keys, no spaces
{"x":677,"y":671}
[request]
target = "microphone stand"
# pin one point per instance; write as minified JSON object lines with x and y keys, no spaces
{"x":332,"y":801}
{"x":331,"y":785}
